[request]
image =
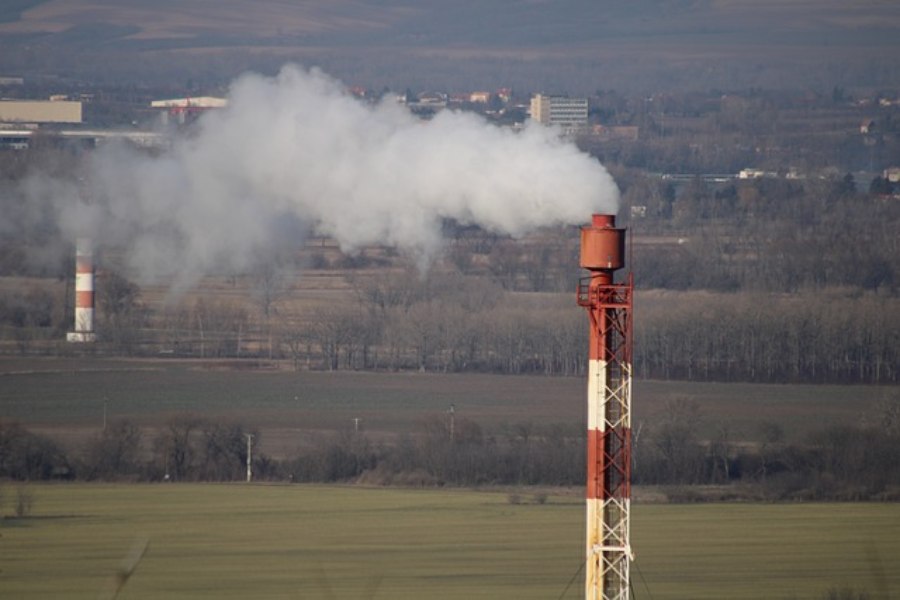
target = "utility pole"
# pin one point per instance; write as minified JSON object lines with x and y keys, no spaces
{"x":249,"y":456}
{"x":356,"y":421}
{"x":452,"y":412}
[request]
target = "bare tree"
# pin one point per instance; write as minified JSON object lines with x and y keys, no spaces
{"x":220,"y":326}
{"x":120,"y":312}
{"x":333,"y":329}
{"x":770,"y":446}
{"x":390,"y":290}
{"x":115,"y":452}
{"x":299,"y":340}
{"x":888,"y":414}
{"x":270,"y":286}
{"x":721,"y":450}
{"x":177,"y":447}
{"x":223,"y":450}
{"x":676,"y":440}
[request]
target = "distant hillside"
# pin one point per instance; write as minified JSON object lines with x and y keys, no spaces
{"x":543,"y":43}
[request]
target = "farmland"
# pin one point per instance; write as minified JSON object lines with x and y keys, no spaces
{"x":662,"y":43}
{"x":65,"y":398}
{"x":310,"y":541}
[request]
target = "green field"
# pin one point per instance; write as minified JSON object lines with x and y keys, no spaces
{"x":301,"y":541}
{"x":65,"y":399}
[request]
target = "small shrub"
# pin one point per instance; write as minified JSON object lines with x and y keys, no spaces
{"x":514,"y":499}
{"x":844,"y":594}
{"x":318,"y":261}
{"x":540,"y":498}
{"x":24,"y":502}
{"x":681,"y":494}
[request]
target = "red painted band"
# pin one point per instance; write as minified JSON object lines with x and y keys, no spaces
{"x":84,"y":299}
{"x":596,"y":345}
{"x":609,"y":463}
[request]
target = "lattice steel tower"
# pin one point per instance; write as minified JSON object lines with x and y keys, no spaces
{"x":609,"y":307}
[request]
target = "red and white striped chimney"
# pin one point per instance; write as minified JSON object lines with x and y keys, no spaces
{"x":608,"y":497}
{"x":84,"y":292}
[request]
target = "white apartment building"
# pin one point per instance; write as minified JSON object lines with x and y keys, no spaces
{"x":568,"y":113}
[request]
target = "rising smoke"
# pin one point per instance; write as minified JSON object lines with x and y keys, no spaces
{"x":297,"y":152}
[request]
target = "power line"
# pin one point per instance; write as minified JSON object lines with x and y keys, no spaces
{"x":571,"y":580}
{"x":643,"y":580}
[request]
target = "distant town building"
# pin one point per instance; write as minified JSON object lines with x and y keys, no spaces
{"x":756,"y":174}
{"x":892,"y":174}
{"x":12,"y":81}
{"x":12,"y":139}
{"x":434,"y":99}
{"x":427,"y":104}
{"x":629,"y":133}
{"x":40,"y":111}
{"x":20,"y":139}
{"x":200,"y":102}
{"x":184,"y":109}
{"x":570,"y":114}
{"x":480,"y":97}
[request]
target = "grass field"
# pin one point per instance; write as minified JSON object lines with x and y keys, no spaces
{"x":300,"y":541}
{"x":65,"y":398}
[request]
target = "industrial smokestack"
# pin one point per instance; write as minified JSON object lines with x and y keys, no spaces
{"x":84,"y":292}
{"x":608,"y":497}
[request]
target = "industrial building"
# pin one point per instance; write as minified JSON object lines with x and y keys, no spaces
{"x":20,"y":138}
{"x":40,"y":111}
{"x":570,"y":114}
{"x":183,"y":110}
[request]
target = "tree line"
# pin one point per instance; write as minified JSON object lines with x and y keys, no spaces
{"x":779,"y":235}
{"x":759,"y":337}
{"x":768,"y":338}
{"x":444,"y":323}
{"x":851,"y":461}
{"x":859,"y":461}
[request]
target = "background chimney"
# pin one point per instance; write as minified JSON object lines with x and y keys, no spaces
{"x":84,"y":292}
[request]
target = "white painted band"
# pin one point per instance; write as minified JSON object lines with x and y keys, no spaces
{"x":597,"y":386}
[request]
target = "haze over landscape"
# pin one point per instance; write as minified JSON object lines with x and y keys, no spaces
{"x":327,"y":255}
{"x":572,"y":46}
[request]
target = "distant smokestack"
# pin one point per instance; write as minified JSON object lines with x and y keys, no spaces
{"x":84,"y":292}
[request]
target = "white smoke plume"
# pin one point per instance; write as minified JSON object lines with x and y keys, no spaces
{"x":298,"y":149}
